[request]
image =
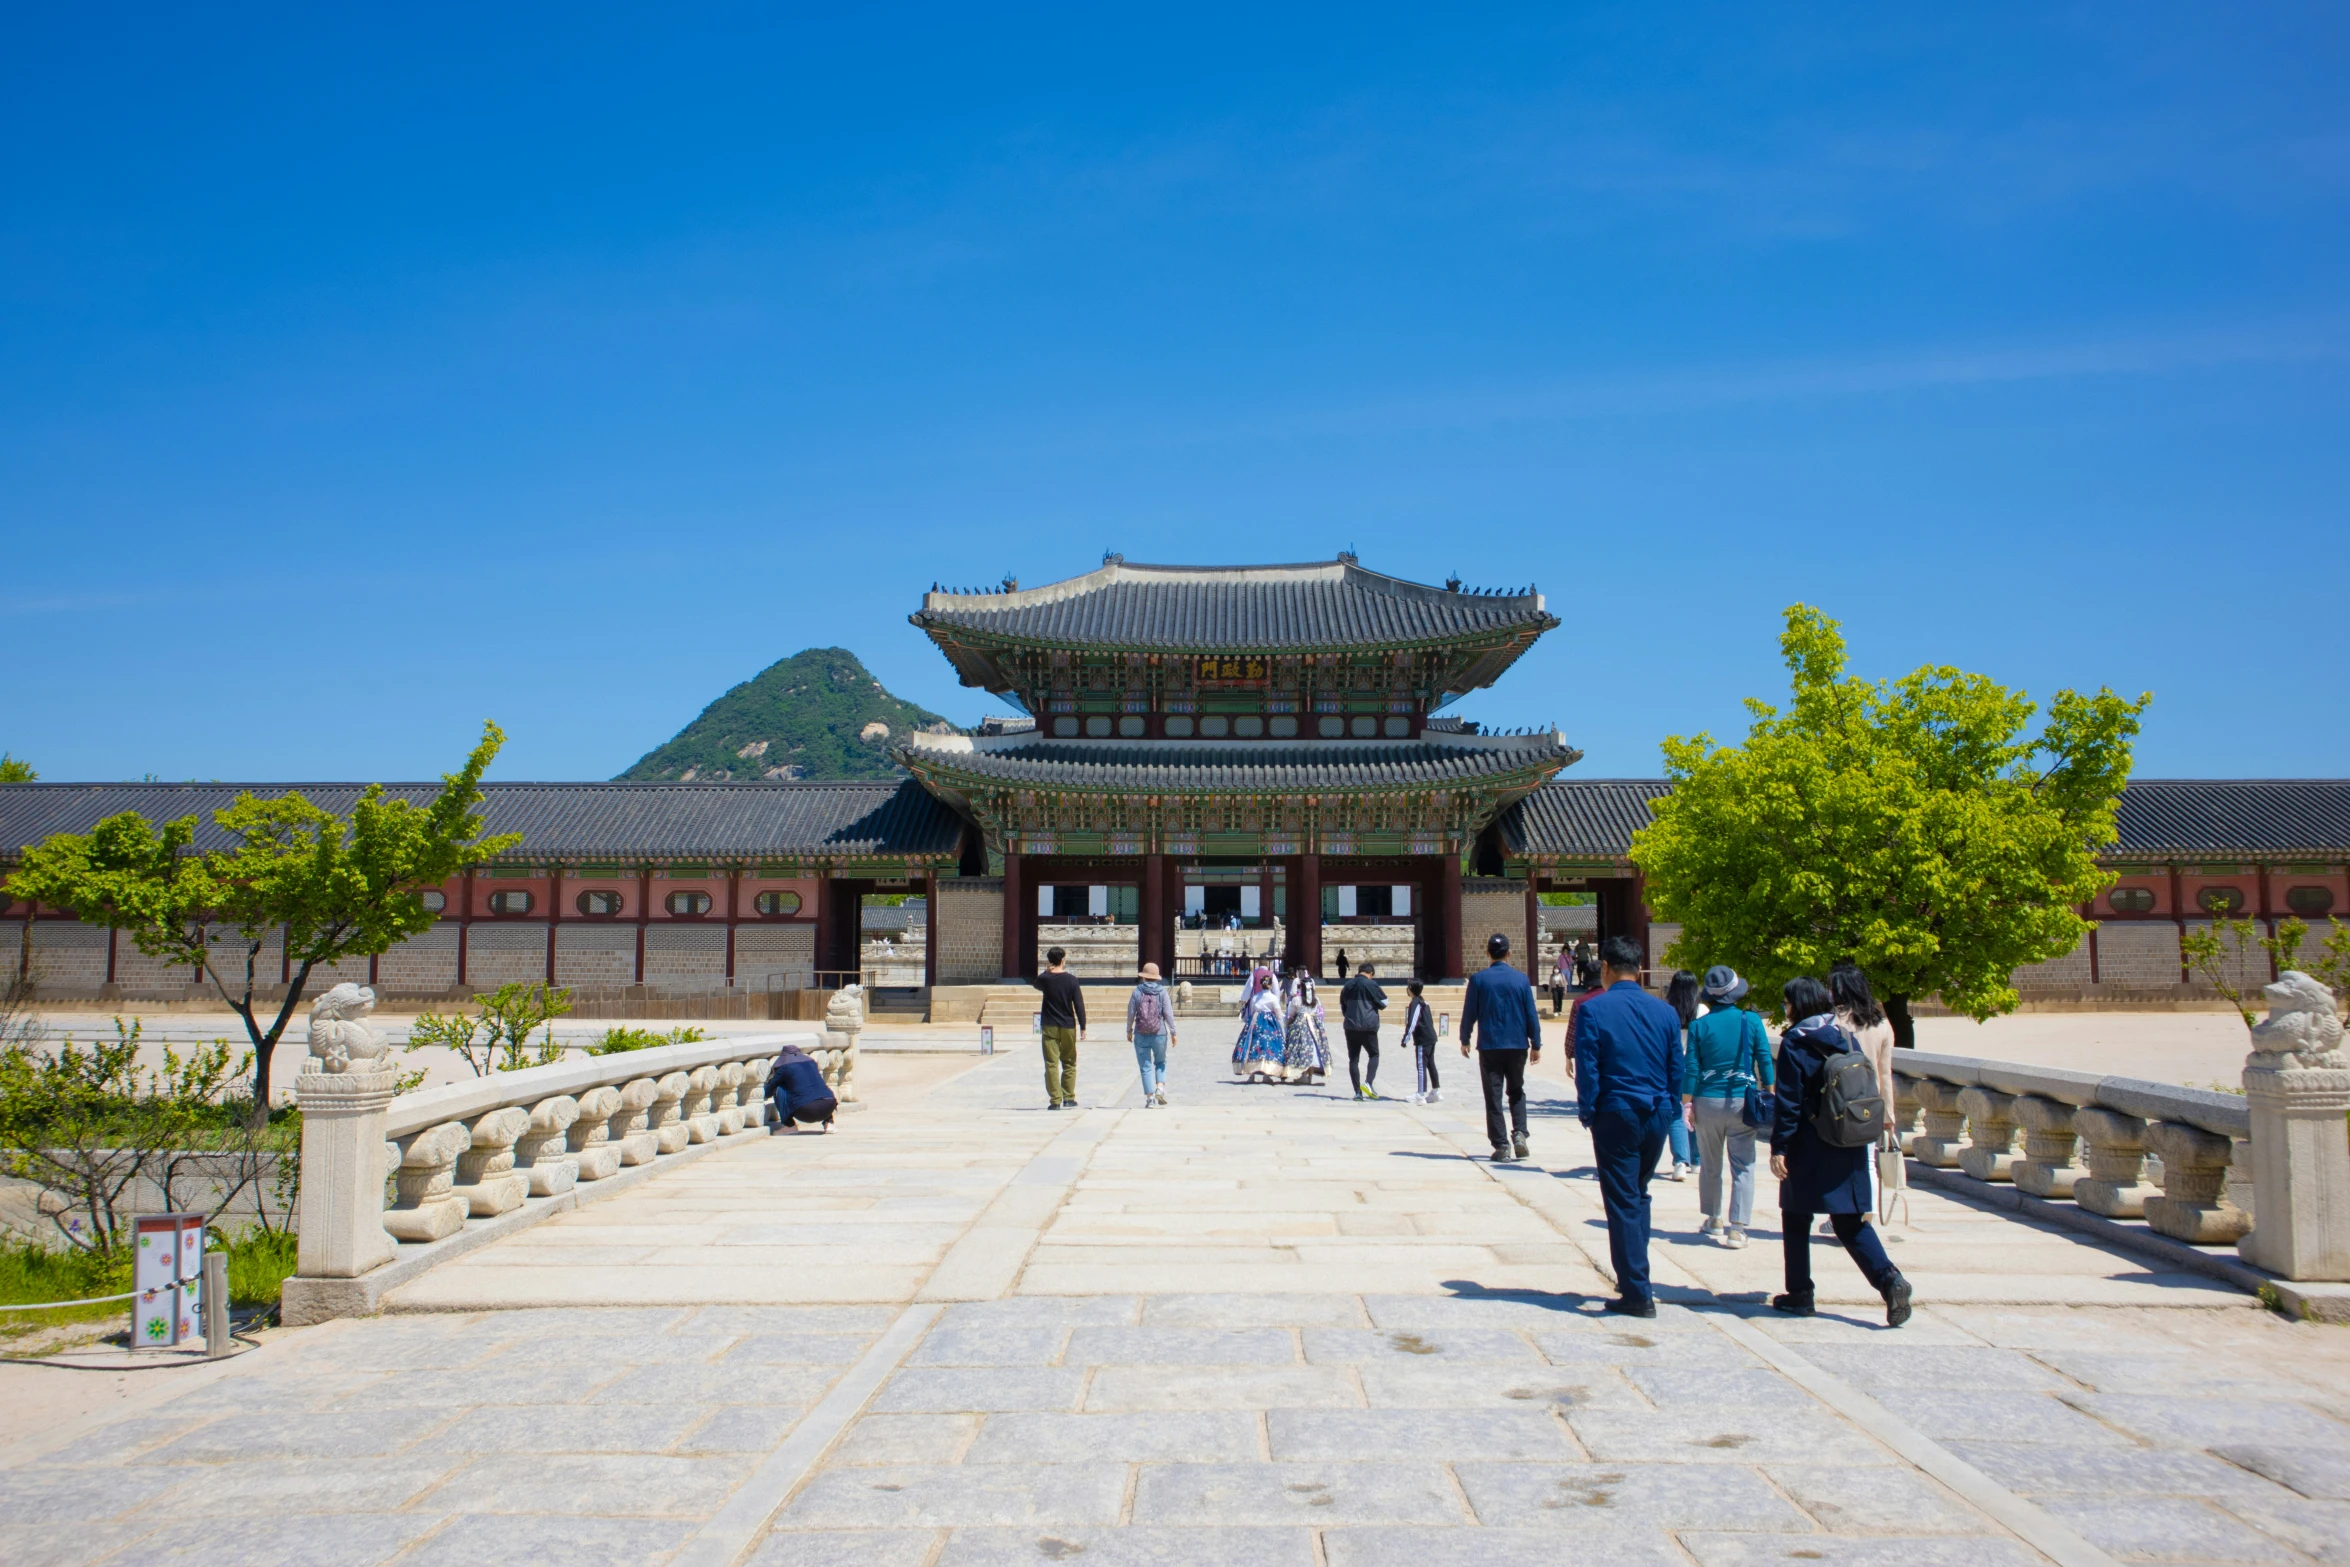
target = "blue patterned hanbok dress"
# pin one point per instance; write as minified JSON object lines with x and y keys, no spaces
{"x":1263,"y":1037}
{"x":1308,"y":1048}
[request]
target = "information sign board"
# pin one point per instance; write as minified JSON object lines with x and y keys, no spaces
{"x":167,"y":1271}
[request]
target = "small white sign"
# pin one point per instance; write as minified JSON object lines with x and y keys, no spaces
{"x":987,"y":1039}
{"x":167,"y":1271}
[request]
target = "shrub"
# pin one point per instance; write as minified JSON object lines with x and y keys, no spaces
{"x":623,"y":1038}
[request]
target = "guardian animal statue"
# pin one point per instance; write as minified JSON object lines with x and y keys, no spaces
{"x":2302,"y":1028}
{"x":338,"y":1040}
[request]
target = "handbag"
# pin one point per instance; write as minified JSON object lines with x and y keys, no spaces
{"x":1757,"y":1112}
{"x":1892,"y":1181}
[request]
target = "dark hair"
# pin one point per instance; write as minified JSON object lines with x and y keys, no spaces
{"x":1681,"y":996}
{"x":1497,"y":945}
{"x":1415,"y":987}
{"x":1806,"y":997}
{"x":1054,"y":954}
{"x":1366,"y":968}
{"x":1850,"y":987}
{"x":1620,"y":953}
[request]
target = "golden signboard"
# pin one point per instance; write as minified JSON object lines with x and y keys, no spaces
{"x":1218,"y":669}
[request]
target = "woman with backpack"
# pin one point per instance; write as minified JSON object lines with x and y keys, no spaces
{"x":1865,"y":1020}
{"x":1150,"y":1029}
{"x":1726,"y":1089}
{"x":1823,"y":1132}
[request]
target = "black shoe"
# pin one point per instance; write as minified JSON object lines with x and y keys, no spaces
{"x":1897,"y":1301}
{"x":1624,"y":1306}
{"x":1519,"y":1148}
{"x":1502,"y":1156}
{"x":1794,"y":1305}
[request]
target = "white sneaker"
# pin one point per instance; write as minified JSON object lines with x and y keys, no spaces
{"x":1162,"y":1096}
{"x":1419,"y":1099}
{"x":1735,"y":1237}
{"x":1436,"y":1096}
{"x":1711,"y":1227}
{"x":1680,"y":1172}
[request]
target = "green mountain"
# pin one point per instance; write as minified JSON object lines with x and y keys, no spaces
{"x":817,"y":714}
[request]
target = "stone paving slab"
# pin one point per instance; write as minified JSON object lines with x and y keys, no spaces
{"x":1261,"y":1326}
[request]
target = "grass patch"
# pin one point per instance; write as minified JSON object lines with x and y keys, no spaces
{"x":259,"y":1263}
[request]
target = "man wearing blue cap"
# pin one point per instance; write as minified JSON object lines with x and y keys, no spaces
{"x":1627,"y":1087}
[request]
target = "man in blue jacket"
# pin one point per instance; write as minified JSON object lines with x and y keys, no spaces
{"x":1502,"y":999}
{"x":1627,"y":1083}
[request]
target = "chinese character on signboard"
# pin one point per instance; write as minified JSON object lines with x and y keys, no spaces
{"x":1223,"y":667}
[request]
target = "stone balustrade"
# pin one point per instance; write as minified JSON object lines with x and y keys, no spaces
{"x":2184,"y":1160}
{"x":380,"y":1173}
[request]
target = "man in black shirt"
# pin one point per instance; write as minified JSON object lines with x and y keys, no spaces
{"x":1359,"y":1006}
{"x":1064,"y":1025}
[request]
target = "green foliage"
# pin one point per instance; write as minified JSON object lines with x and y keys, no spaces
{"x":1568,"y":900}
{"x":2218,"y":951}
{"x":1913,"y":826}
{"x":14,"y":771}
{"x":809,"y":711}
{"x":623,"y":1038}
{"x":95,"y":1131}
{"x":2329,"y":965}
{"x":260,"y":1260}
{"x":335,"y":888}
{"x":259,"y":1263}
{"x":498,"y":1039}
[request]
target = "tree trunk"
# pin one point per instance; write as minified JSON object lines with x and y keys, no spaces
{"x":1905,"y":1028}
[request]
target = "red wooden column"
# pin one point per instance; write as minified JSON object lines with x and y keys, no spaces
{"x":1448,"y":896}
{"x":554,"y":914}
{"x":1640,"y":920}
{"x":1152,"y":938}
{"x":644,"y":915}
{"x":1305,"y":911}
{"x":1015,"y":921}
{"x":464,"y":922}
{"x":734,"y":890}
{"x":824,"y":924}
{"x":2178,"y":915}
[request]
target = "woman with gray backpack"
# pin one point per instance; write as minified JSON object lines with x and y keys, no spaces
{"x":1150,"y":1029}
{"x":1828,"y":1119}
{"x":1726,"y":1097}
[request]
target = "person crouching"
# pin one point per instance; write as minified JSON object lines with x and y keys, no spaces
{"x":796,"y":1086}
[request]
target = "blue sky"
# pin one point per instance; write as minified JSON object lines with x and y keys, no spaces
{"x":362,"y":376}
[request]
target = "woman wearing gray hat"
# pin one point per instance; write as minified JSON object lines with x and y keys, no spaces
{"x":1729,"y":1064}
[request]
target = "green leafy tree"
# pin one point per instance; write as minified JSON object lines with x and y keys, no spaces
{"x":335,"y":888}
{"x":14,"y":771}
{"x":2218,"y":952}
{"x":1915,"y":827}
{"x":498,"y":1039}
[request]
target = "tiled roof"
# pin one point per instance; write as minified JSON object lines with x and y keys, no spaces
{"x":1582,"y":818}
{"x":1325,"y":604}
{"x":2159,"y":818}
{"x":1243,"y":766}
{"x":2236,"y":816}
{"x":595,"y":821}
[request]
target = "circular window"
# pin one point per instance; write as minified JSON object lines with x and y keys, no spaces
{"x":1178,"y":726}
{"x":1098,"y":728}
{"x":2220,"y":900}
{"x":778,"y":903}
{"x":599,"y":901}
{"x":433,"y":899}
{"x":1284,"y":727}
{"x":1065,"y":728}
{"x":1330,"y":726}
{"x":514,"y":902}
{"x":1249,"y":727}
{"x":1215,"y":726}
{"x":1398,"y":728}
{"x":1131,"y":726}
{"x":2131,"y":900}
{"x":688,"y":903}
{"x":1365,"y":728}
{"x":2310,"y":900}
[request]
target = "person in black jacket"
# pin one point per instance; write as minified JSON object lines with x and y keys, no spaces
{"x":1815,"y":1176}
{"x":1359,"y":1006}
{"x":1419,"y":1031}
{"x":796,"y":1084}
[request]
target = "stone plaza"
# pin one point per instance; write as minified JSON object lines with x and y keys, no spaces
{"x":1260,"y":1324}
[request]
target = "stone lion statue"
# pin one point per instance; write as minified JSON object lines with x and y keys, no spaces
{"x":845,"y":1012}
{"x":338,"y":1040}
{"x":2302,"y":1028}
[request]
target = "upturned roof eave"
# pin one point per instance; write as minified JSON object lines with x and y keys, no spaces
{"x":1538,"y":623}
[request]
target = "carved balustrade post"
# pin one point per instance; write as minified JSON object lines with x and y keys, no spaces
{"x":2300,"y":1171}
{"x":2046,"y":1169}
{"x":753,"y":1094}
{"x":668,"y":1127}
{"x":701,"y":1121}
{"x":1990,"y":1119}
{"x":542,"y":1153}
{"x":844,"y":1020}
{"x":486,"y":1177}
{"x":1906,"y":1108}
{"x":591,"y":1140}
{"x":428,"y":1208}
{"x":2193,"y":1206}
{"x":1945,"y":1123}
{"x":342,"y":1203}
{"x":2113,"y":1158}
{"x":637,"y":1143}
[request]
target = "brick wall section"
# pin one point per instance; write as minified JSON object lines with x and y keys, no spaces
{"x":970,"y":930}
{"x":2070,"y":972}
{"x":685,"y":958}
{"x":69,"y":959}
{"x":503,"y":954}
{"x":1488,"y":906}
{"x":423,"y":965}
{"x":2138,"y":955}
{"x":779,"y":957}
{"x":598,"y":957}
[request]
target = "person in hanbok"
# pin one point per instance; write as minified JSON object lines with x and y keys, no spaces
{"x":1263,"y":1039}
{"x":1308,"y":1054}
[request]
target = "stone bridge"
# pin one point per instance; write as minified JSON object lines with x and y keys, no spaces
{"x":1271,"y":1325}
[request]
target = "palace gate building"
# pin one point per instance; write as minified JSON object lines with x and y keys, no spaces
{"x":1195,"y":749}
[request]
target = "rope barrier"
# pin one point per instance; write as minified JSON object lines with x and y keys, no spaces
{"x":53,"y":1305}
